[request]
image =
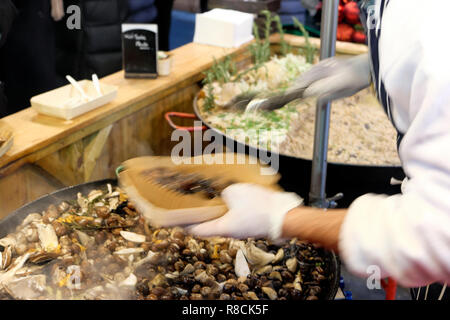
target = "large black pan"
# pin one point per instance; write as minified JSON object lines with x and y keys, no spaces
{"x":9,"y":224}
{"x":350,"y":179}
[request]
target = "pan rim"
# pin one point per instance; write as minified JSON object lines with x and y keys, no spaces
{"x":20,"y":213}
{"x":339,"y":164}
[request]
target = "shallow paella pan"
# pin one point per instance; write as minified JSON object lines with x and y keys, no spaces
{"x":353,"y":180}
{"x":329,"y":286}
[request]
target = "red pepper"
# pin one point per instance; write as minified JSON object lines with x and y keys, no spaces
{"x":351,"y":13}
{"x":359,"y":37}
{"x":340,"y":13}
{"x":344,"y":32}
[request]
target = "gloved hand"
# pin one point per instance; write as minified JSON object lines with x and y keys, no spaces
{"x":254,"y":212}
{"x":336,"y":77}
{"x":330,"y":79}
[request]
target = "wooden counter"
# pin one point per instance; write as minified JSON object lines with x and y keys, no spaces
{"x":50,"y":153}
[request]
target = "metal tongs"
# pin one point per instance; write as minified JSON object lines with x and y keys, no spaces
{"x":255,"y":101}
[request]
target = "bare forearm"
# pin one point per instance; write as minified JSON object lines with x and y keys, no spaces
{"x":314,"y":225}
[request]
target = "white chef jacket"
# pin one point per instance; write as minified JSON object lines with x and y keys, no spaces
{"x":407,"y":236}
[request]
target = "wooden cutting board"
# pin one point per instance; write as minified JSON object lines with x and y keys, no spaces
{"x":164,"y":206}
{"x":6,"y":138}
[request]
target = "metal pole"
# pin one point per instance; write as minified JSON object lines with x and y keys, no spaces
{"x":317,"y":195}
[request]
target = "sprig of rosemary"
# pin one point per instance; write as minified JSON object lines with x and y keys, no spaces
{"x":260,"y":49}
{"x":225,"y":70}
{"x":285,"y":47}
{"x":308,"y":51}
{"x":209,"y":98}
{"x":221,"y":71}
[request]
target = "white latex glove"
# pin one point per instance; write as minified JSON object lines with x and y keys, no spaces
{"x":336,"y":77}
{"x":330,"y":79}
{"x":254,"y":212}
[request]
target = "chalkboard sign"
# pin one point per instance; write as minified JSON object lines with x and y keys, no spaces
{"x":140,"y":50}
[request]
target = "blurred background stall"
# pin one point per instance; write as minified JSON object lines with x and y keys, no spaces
{"x":39,"y":51}
{"x":27,"y":58}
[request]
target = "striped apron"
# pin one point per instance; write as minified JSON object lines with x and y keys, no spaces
{"x":373,"y":30}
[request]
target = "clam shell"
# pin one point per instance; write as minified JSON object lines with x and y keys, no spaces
{"x":251,"y":295}
{"x":264,"y":270}
{"x":240,"y":265}
{"x":133,"y":237}
{"x":32,"y":217}
{"x":272,"y":294}
{"x":204,"y":278}
{"x":74,"y":281}
{"x":31,"y":234}
{"x":27,"y":288}
{"x":152,"y":258}
{"x":43,"y":257}
{"x":188,"y":269}
{"x":257,"y":256}
{"x":181,"y":291}
{"x":8,"y":241}
{"x":113,"y":203}
{"x":275,"y":275}
{"x":47,"y":237}
{"x":127,"y":251}
{"x":129,"y":282}
{"x":298,"y":282}
{"x":85,"y":239}
{"x":279,"y":256}
{"x":291,"y":264}
{"x":8,"y":276}
{"x":159,"y":280}
{"x":82,"y":202}
{"x":5,"y":258}
{"x":94,"y":194}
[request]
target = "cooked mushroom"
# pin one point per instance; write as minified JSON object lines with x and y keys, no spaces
{"x":91,"y":252}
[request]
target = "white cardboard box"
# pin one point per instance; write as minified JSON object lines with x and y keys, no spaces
{"x":56,"y":102}
{"x":223,"y":28}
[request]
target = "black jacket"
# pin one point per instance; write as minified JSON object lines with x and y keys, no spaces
{"x":7,"y":15}
{"x":96,"y":47}
{"x":27,"y":59}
